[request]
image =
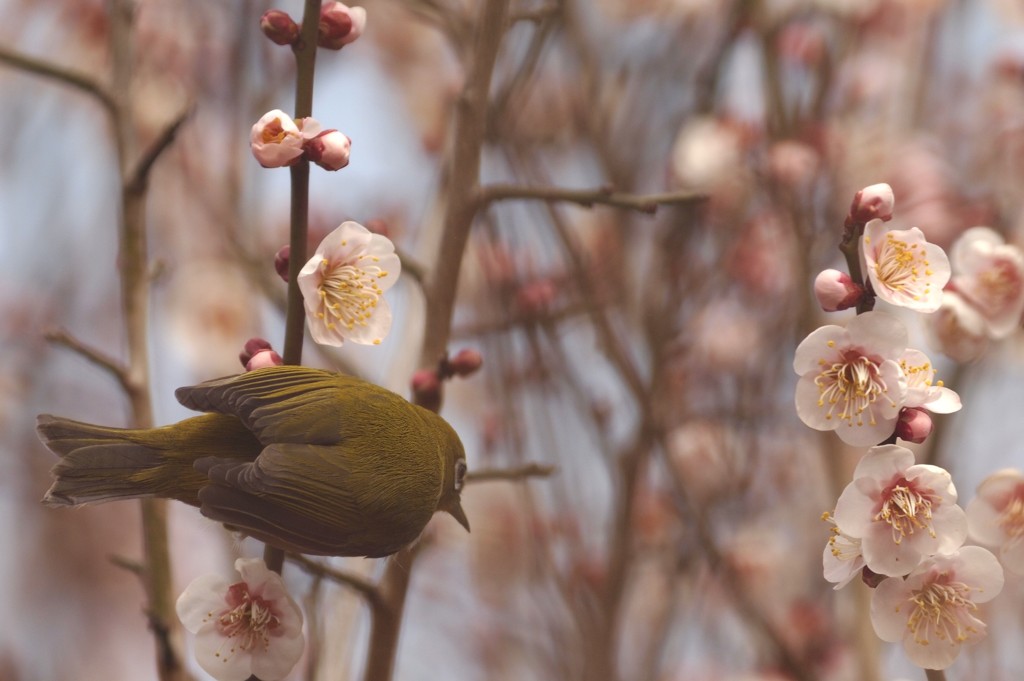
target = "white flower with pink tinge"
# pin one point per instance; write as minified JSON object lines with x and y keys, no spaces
{"x":934,"y":610}
{"x":276,"y":140}
{"x":850,"y":378}
{"x":251,"y":627}
{"x":904,"y":269}
{"x":901,"y":511}
{"x":922,"y":388}
{"x":343,"y":286}
{"x":995,"y":517}
{"x":990,"y":275}
{"x":842,"y":559}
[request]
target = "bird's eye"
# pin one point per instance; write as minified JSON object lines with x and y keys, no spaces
{"x":460,"y":474}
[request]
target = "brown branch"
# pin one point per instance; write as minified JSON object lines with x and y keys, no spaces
{"x":139,"y":176}
{"x":588,"y":198}
{"x":363,"y":587}
{"x":71,"y":77}
{"x":530,"y":470}
{"x":102,"y":360}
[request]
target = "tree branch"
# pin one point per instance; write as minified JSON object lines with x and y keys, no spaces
{"x":363,"y":587}
{"x":91,"y":354}
{"x":71,"y":77}
{"x":530,"y":470}
{"x":139,"y":175}
{"x":588,"y":198}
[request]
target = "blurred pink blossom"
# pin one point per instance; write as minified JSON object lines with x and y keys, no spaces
{"x":995,"y":517}
{"x":990,"y":276}
{"x":957,"y":329}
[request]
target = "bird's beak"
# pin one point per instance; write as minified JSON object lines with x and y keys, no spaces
{"x":456,"y":510}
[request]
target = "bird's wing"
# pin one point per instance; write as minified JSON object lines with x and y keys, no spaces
{"x":278,"y":404}
{"x":304,"y":498}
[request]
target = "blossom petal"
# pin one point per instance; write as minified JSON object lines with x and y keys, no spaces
{"x":819,"y":344}
{"x":884,"y":462}
{"x":888,"y":614}
{"x":205,"y":595}
{"x":223,"y":662}
{"x":287,"y":652}
{"x":983,"y":522}
{"x":879,"y":333}
{"x":979,"y":568}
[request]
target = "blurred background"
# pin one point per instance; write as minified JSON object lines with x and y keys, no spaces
{"x":647,"y":357}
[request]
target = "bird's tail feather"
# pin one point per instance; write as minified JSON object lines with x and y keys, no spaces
{"x":99,"y":463}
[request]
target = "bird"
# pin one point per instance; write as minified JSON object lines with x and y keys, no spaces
{"x":306,"y":460}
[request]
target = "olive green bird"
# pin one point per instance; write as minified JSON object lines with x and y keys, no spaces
{"x":303,"y":459}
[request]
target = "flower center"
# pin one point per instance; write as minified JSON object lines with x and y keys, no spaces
{"x":851,"y":387}
{"x":273,"y":132}
{"x":900,"y":267}
{"x":1001,"y":283}
{"x":349,"y":292}
{"x":942,"y":609}
{"x":247,"y":622}
{"x":907,"y":509}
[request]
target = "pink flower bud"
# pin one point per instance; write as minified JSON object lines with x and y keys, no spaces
{"x":275,"y":140}
{"x":253,"y":346}
{"x":281,"y":261}
{"x":872,"y":202}
{"x":339,"y":25}
{"x":915,"y":425}
{"x":263,"y":359}
{"x":426,"y":389}
{"x":279,"y":27}
{"x":836,"y":291}
{"x":329,"y":150}
{"x":466,"y":362}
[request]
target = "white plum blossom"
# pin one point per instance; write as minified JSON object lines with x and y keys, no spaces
{"x":343,"y":286}
{"x":922,"y":389}
{"x":842,"y":559}
{"x":904,"y":269}
{"x":276,"y":140}
{"x":901,"y":511}
{"x":990,"y":276}
{"x":995,"y":517}
{"x":934,"y":610}
{"x":251,"y":627}
{"x":850,"y":378}
{"x":957,"y":329}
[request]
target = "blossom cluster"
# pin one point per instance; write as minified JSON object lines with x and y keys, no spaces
{"x":897,"y":524}
{"x":277,"y":141}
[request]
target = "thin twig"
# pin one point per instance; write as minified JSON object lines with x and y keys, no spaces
{"x":588,"y":198}
{"x":76,"y":79}
{"x":363,"y":587}
{"x":100,"y":359}
{"x":139,"y":175}
{"x":530,"y":470}
{"x":132,"y":566}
